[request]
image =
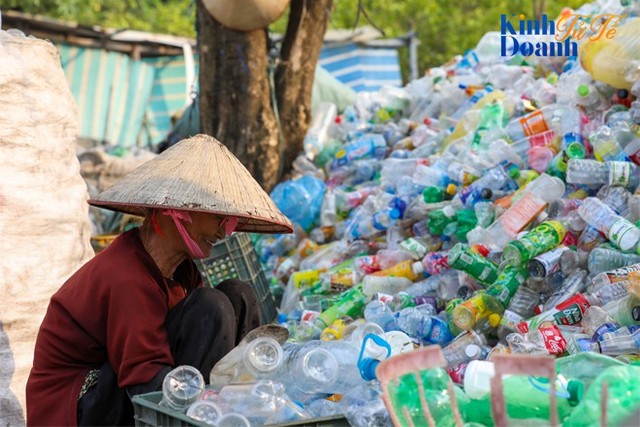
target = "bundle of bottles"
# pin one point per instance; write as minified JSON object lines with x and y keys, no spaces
{"x":489,"y":207}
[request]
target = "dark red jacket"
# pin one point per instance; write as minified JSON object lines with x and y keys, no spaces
{"x":112,"y":309}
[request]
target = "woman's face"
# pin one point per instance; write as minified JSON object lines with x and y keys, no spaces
{"x":205,"y":229}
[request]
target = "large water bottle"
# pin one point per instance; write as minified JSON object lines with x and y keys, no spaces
{"x":586,"y":171}
{"x":621,"y":232}
{"x":604,"y":259}
{"x":318,"y":133}
{"x":593,"y":172}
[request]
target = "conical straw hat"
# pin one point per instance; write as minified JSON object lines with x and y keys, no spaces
{"x":245,"y":15}
{"x":196,"y":174}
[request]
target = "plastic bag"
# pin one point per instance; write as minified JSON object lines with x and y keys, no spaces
{"x":300,"y":200}
{"x":623,"y":402}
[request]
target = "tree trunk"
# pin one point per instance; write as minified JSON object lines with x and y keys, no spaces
{"x":235,"y":105}
{"x":308,"y":20}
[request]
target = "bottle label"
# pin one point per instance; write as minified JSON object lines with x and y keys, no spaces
{"x":534,"y":123}
{"x":553,"y":340}
{"x":414,"y":247}
{"x":522,"y":213}
{"x":604,"y":329}
{"x":567,"y":313}
{"x":619,"y":173}
{"x":440,"y":333}
{"x":510,"y":319}
{"x":583,"y":344}
{"x":506,"y":285}
{"x":436,"y":262}
{"x":618,"y":231}
{"x":309,"y":316}
{"x":551,"y":260}
{"x":382,"y":297}
{"x":457,"y":373}
{"x":304,"y":279}
{"x":619,"y":275}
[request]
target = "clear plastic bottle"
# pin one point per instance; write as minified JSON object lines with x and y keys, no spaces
{"x":464,"y":348}
{"x":596,"y":322}
{"x":605,"y":145}
{"x":521,"y":307}
{"x":372,"y":284}
{"x":615,"y":346}
{"x":318,"y":133}
{"x":545,"y":340}
{"x":604,"y":259}
{"x":307,"y":368}
{"x":574,"y":283}
{"x":621,"y":232}
{"x":182,"y":387}
{"x":205,"y":411}
{"x":375,"y":224}
{"x":421,"y":323}
{"x":593,"y":172}
{"x":532,"y":124}
{"x":381,"y":314}
{"x":573,"y":260}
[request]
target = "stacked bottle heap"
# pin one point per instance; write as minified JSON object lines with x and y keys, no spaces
{"x":489,"y":207}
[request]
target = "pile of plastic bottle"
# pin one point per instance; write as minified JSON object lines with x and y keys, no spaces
{"x":489,"y":207}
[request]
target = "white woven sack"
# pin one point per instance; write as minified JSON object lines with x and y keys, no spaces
{"x":44,"y":226}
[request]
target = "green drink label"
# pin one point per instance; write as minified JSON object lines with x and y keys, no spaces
{"x":506,"y":285}
{"x":619,"y":173}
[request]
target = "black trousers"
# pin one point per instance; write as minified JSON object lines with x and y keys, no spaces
{"x":202,"y":329}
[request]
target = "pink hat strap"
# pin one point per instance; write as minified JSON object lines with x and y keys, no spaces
{"x":230,"y":224}
{"x":177,"y":217}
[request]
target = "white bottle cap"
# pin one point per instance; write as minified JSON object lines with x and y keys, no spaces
{"x":418,"y":268}
{"x":477,"y":378}
{"x":472,"y":351}
{"x":399,"y":342}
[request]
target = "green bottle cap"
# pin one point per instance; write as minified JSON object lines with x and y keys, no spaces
{"x":583,"y":90}
{"x":514,"y":173}
{"x":432,"y":194}
{"x":575,"y":150}
{"x":576,"y":391}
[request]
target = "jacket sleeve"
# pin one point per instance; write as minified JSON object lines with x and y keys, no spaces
{"x":137,"y":342}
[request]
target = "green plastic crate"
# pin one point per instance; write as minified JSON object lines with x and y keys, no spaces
{"x":235,"y":258}
{"x":149,"y":413}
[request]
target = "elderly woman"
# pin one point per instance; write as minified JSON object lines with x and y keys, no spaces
{"x":139,"y":308}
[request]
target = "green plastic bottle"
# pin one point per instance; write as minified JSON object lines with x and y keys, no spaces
{"x":542,"y":238}
{"x":526,"y":397}
{"x":461,"y":257}
{"x":623,"y":401}
{"x":437,"y":220}
{"x":467,"y":220}
{"x":405,"y":398}
{"x":498,"y":295}
{"x":351,"y":303}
